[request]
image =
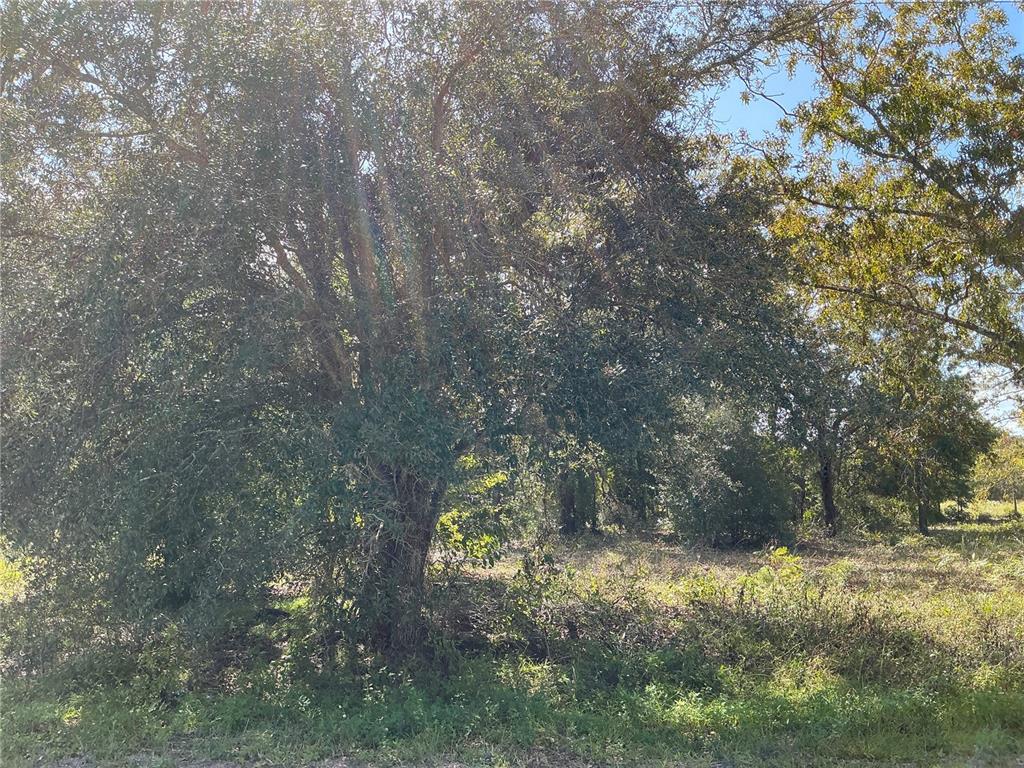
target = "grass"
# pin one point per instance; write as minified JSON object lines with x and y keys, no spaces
{"x":901,"y":650}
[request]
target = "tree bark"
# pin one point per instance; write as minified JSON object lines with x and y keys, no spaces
{"x":569,"y":519}
{"x":827,"y":477}
{"x":577,"y":500}
{"x":391,"y":602}
{"x":922,"y":499}
{"x":801,"y":499}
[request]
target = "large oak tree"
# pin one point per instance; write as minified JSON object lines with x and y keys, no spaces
{"x":273,"y":268}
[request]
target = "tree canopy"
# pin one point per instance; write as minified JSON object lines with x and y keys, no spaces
{"x":905,"y":192}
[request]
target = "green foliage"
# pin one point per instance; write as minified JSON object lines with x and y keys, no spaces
{"x":577,"y":500}
{"x":999,"y":474}
{"x":315,"y":310}
{"x":937,"y":438}
{"x":479,"y":519}
{"x":904,"y":199}
{"x":724,"y":483}
{"x":272,"y":270}
{"x":634,"y":488}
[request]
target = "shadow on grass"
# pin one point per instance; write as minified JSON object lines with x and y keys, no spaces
{"x":514,"y":707}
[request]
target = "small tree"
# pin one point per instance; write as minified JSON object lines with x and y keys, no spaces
{"x":939,"y":436}
{"x":1000,"y":473}
{"x":829,"y":407}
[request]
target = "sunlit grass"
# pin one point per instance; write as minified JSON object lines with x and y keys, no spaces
{"x":891,"y":652}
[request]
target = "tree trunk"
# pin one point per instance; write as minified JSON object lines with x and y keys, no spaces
{"x":827,"y":476}
{"x":922,"y":499}
{"x":801,"y":499}
{"x":577,"y":500}
{"x":568,"y":517}
{"x":633,"y":487}
{"x":391,"y":600}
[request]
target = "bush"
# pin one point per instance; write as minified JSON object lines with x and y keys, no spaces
{"x":726,"y":485}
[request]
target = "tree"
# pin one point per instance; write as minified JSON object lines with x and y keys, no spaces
{"x":274,"y":268}
{"x":938,"y":433}
{"x":905,"y":201}
{"x":830,"y":407}
{"x":1000,"y":473}
{"x":723,"y":481}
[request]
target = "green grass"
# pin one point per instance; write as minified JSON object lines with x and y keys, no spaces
{"x":896,"y":651}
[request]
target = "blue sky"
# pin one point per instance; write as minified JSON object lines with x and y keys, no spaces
{"x":760,"y":116}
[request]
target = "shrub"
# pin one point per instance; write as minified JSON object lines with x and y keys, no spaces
{"x":724,"y":484}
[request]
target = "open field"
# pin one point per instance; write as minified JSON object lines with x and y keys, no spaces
{"x":898,"y":651}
